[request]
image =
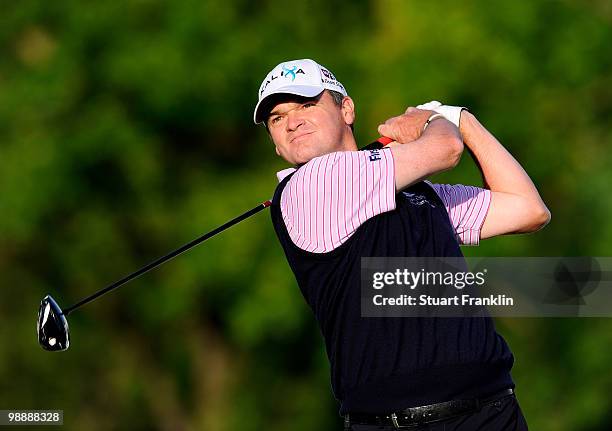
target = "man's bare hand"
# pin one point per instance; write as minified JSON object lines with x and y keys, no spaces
{"x":407,"y":127}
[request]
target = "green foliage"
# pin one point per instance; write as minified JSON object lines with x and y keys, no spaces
{"x":125,"y":131}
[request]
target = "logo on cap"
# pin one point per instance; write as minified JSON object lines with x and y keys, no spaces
{"x":291,"y":72}
{"x":285,"y":72}
{"x":327,"y":74}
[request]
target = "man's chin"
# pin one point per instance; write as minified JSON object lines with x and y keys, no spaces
{"x":310,"y":153}
{"x":305,"y":151}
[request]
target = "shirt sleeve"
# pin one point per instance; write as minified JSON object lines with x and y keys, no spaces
{"x":467,"y":208}
{"x":329,"y":197}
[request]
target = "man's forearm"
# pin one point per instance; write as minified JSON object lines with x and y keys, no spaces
{"x":500,"y":170}
{"x":516,"y":205}
{"x":437,"y":150}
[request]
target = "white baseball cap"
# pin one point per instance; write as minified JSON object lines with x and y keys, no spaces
{"x":301,"y":77}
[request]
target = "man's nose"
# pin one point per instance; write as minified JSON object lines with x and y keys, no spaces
{"x":294,"y":120}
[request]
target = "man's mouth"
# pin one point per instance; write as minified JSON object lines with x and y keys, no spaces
{"x":299,"y":137}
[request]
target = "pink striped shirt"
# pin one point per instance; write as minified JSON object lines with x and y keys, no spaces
{"x":467,"y":208}
{"x":329,"y":197}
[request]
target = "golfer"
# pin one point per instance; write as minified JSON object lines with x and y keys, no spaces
{"x":337,"y":205}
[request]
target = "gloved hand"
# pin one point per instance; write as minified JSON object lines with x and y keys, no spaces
{"x":451,"y":113}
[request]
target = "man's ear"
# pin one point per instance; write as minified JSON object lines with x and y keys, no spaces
{"x":348,"y":110}
{"x":277,"y":152}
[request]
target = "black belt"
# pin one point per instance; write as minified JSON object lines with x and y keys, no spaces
{"x":424,"y":414}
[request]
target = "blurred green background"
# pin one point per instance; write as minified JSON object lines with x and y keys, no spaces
{"x":126,"y":130}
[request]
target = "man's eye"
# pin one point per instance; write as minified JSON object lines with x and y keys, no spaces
{"x":275,"y":120}
{"x":308,"y":104}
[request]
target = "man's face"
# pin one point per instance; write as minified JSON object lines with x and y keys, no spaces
{"x":303,"y":128}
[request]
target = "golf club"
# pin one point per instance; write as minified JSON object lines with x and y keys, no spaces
{"x":52,"y":326}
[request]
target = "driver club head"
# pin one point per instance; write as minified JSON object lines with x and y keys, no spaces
{"x":52,"y":326}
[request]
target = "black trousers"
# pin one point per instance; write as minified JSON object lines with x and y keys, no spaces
{"x":503,"y":414}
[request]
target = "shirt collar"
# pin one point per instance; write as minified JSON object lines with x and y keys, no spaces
{"x":281,"y":175}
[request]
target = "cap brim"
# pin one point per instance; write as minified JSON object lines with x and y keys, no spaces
{"x":263,"y":106}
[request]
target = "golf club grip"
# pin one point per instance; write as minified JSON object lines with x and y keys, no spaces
{"x":377,"y":144}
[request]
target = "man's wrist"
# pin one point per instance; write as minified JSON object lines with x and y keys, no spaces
{"x":466,"y":124}
{"x":432,"y":117}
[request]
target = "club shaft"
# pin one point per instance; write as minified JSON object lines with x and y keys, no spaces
{"x":168,"y":256}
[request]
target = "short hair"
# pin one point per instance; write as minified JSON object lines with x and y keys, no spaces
{"x":338,"y":97}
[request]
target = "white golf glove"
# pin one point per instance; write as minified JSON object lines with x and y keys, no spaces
{"x":451,"y":113}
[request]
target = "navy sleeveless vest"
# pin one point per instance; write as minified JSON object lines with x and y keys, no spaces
{"x":387,"y":364}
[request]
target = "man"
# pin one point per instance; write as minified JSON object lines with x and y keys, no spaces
{"x":339,"y":204}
